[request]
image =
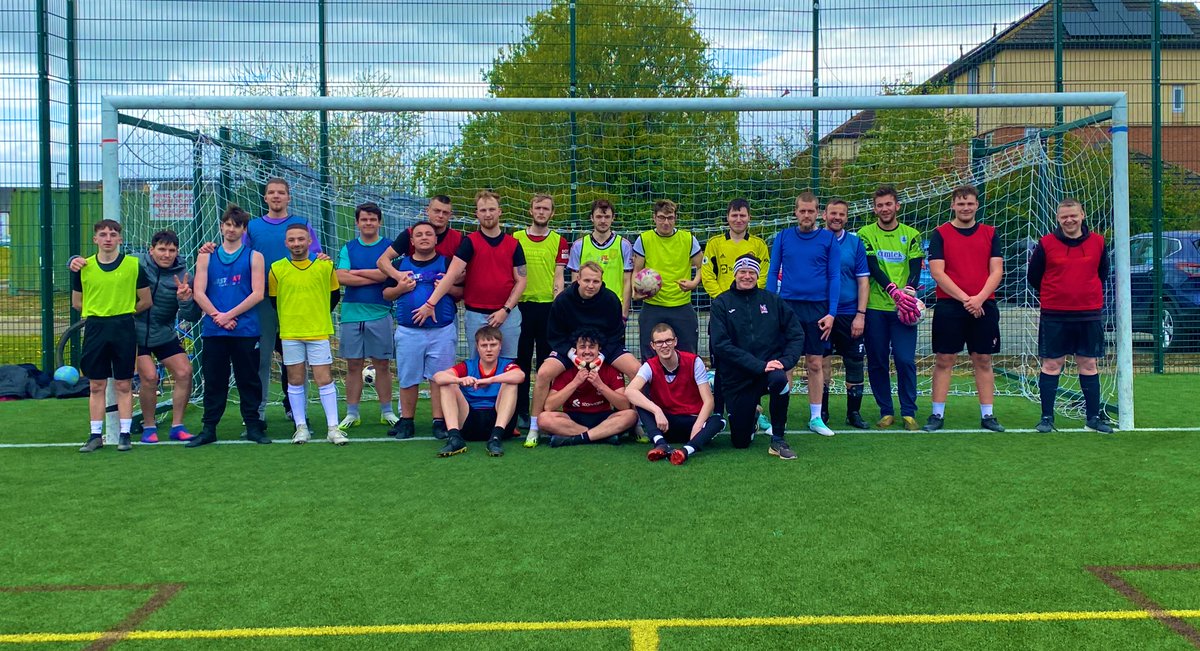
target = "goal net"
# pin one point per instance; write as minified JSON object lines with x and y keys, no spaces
{"x":179,"y":169}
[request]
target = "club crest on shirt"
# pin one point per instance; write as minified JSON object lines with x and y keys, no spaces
{"x":762,"y":307}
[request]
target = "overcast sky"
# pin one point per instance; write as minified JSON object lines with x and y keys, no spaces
{"x":442,"y":48}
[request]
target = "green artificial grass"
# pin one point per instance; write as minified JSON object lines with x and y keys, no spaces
{"x":371,"y":534}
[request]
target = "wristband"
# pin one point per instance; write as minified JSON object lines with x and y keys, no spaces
{"x":863,"y":312}
{"x":430,"y":304}
{"x":507,"y":310}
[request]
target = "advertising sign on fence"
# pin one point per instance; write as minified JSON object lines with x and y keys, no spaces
{"x":170,"y":205}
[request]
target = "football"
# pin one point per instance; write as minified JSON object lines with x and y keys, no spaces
{"x":68,"y":374}
{"x":369,"y":375}
{"x":647,"y":281}
{"x":920,"y":311}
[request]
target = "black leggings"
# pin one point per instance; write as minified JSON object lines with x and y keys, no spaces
{"x":743,"y":404}
{"x":220,"y":353}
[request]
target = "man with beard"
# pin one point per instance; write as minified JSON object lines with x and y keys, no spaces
{"x":612,"y":252}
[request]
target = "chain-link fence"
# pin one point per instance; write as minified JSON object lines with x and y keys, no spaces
{"x":60,"y":56}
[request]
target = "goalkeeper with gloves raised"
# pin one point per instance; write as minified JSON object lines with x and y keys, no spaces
{"x":894,"y":255}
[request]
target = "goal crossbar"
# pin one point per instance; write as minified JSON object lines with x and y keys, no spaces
{"x":1116,"y":102}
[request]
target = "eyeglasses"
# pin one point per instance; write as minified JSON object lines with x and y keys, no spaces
{"x":664,"y":342}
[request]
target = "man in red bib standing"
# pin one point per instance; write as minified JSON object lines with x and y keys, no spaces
{"x":1067,"y":270}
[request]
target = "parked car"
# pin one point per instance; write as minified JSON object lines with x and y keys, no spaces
{"x":1180,"y":288}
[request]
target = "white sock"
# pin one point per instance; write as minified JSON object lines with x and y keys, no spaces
{"x":328,"y":395}
{"x":296,"y":398}
{"x":814,"y":411}
{"x":689,"y":449}
{"x":97,"y":427}
{"x":126,"y":424}
{"x":533,"y":422}
{"x":939,"y":409}
{"x":985,"y":410}
{"x":351,"y":410}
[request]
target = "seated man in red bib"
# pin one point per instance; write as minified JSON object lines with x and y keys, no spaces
{"x":592,"y":397}
{"x":673,"y":399}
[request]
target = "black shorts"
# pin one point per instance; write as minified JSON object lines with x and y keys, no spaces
{"x":162,"y":351}
{"x":1061,"y":338}
{"x":109,"y":348}
{"x":808,"y":313}
{"x":841,"y":343}
{"x":954,"y":327}
{"x":479,"y":423}
{"x":588,"y":419}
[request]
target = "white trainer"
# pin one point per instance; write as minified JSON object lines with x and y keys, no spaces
{"x":531,"y":439}
{"x":302,"y":435}
{"x":349,"y":421}
{"x":817,"y":425}
{"x":337,"y":436}
{"x":390,"y":419}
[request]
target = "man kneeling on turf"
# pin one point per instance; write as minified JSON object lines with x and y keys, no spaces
{"x":673,"y":399}
{"x":479,"y":396}
{"x":592,"y":397}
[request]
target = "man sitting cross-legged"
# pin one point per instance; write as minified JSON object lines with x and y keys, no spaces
{"x":479,"y":396}
{"x":673,"y":399}
{"x":592,"y":397}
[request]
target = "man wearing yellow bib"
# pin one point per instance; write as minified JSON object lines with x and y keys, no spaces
{"x":675,"y":254}
{"x":305,"y":292}
{"x":612,"y":252}
{"x":109,"y":290}
{"x":545,"y":259}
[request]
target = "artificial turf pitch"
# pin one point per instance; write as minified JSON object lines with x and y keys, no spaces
{"x":868,"y":540}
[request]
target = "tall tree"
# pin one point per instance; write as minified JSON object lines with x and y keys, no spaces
{"x":641,"y":48}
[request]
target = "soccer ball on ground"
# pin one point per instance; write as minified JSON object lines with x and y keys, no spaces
{"x":368,"y":374}
{"x":647,"y":282}
{"x":68,"y":374}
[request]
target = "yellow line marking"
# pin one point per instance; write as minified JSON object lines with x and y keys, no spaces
{"x":644,"y":632}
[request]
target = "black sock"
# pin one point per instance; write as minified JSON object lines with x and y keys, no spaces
{"x":854,"y":398}
{"x":406,"y":420}
{"x":825,"y":403}
{"x":1048,"y":387}
{"x":497,"y":433}
{"x":659,"y":439}
{"x":452,"y":433}
{"x":438,"y":421}
{"x":585,"y":437}
{"x":1090,"y":386}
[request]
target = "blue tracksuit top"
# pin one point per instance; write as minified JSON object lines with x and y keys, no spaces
{"x":806,"y":267}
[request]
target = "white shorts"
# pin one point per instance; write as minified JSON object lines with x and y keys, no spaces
{"x":315,"y":352}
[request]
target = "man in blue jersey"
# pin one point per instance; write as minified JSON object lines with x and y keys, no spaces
{"x":422,"y":349}
{"x":366,"y":328}
{"x":229,"y":284}
{"x":805,"y":271}
{"x":846,"y":339}
{"x":268,"y":236}
{"x":479,"y":396}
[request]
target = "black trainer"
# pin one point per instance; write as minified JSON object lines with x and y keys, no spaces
{"x":990,"y":423}
{"x":557,"y":441}
{"x":439,"y":430}
{"x":494,"y":448}
{"x":256,"y":435}
{"x":403,"y":429}
{"x":934,"y":423}
{"x":454,"y":445}
{"x":1099,"y":424}
{"x":206,"y":437}
{"x":1046,"y":425}
{"x":855,"y":419}
{"x":94,"y":442}
{"x":124,"y":444}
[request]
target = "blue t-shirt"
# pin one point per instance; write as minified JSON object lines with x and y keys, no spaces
{"x":806,"y":267}
{"x":482,"y":397}
{"x":854,"y":266}
{"x":269,"y":237}
{"x":229,"y":283}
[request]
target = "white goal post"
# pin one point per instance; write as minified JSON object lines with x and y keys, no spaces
{"x":113,"y":105}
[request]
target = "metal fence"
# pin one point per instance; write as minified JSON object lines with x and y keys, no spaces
{"x":60,"y":56}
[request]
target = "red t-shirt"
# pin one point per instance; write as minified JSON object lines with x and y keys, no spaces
{"x":587,"y":399}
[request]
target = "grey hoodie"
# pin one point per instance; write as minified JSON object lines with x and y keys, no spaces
{"x":156,"y":326}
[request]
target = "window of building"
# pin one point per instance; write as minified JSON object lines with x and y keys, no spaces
{"x":973,"y":81}
{"x":1177,"y":99}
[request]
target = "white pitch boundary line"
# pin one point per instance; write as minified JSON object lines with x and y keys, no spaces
{"x":858,"y":432}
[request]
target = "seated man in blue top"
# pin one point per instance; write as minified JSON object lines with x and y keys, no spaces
{"x":479,"y":396}
{"x":806,"y":272}
{"x":422,"y":349}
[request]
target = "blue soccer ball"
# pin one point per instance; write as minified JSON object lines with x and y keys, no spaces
{"x":68,"y":374}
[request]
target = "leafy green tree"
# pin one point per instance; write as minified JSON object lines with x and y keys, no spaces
{"x":648,"y":48}
{"x":366,"y":149}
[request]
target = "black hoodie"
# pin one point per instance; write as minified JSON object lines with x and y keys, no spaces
{"x":748,"y":328}
{"x":570,"y":312}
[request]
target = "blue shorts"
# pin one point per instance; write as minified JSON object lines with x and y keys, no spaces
{"x":421,"y":352}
